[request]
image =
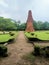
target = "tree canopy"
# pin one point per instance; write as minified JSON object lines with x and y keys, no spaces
{"x":10,"y":24}
{"x":7,"y":24}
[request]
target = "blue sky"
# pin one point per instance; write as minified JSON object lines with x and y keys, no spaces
{"x":18,"y":9}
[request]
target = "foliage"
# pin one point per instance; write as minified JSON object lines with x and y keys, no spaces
{"x":7,"y":24}
{"x":11,"y":33}
{"x":22,"y":26}
{"x":10,"y":24}
{"x":42,"y":51}
{"x":36,"y":50}
{"x":3,"y":50}
{"x":39,"y":25}
{"x":47,"y":51}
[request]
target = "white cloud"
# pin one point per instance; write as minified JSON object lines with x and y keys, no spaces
{"x":5,"y":15}
{"x":18,"y":9}
{"x":3,"y":3}
{"x":40,"y":9}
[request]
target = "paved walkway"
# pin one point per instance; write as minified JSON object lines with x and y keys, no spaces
{"x":17,"y":50}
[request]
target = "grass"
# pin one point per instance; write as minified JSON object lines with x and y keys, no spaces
{"x":6,"y":37}
{"x":42,"y":35}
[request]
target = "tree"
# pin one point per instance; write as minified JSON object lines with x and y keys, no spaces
{"x":45,"y":25}
{"x":35,"y":25}
{"x":7,"y":24}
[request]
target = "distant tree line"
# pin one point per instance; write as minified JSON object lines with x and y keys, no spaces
{"x":39,"y":25}
{"x":10,"y":24}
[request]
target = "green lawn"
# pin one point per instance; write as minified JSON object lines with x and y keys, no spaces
{"x":6,"y":37}
{"x":42,"y":35}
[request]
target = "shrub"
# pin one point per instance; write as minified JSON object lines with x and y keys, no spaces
{"x":42,"y":51}
{"x":32,"y":33}
{"x":28,"y":32}
{"x":11,"y":40}
{"x":11,"y":33}
{"x":47,"y":51}
{"x":36,"y":50}
{"x":3,"y":50}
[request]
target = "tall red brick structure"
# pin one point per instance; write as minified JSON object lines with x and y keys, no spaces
{"x":29,"y":26}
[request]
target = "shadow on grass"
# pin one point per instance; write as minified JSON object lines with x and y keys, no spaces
{"x":36,"y":40}
{"x":11,"y":41}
